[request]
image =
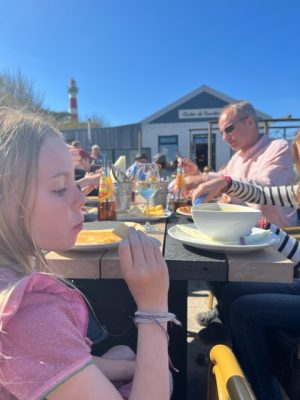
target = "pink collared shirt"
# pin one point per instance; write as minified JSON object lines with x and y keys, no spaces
{"x":267,"y":163}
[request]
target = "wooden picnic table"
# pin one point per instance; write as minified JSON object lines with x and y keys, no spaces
{"x":98,"y":275}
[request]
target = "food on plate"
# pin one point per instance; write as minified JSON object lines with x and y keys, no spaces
{"x":97,"y":236}
{"x":141,"y":211}
{"x":122,"y":229}
{"x":185,"y":210}
{"x":155,"y":211}
{"x":107,"y":235}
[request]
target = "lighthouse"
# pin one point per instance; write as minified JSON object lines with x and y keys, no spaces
{"x":73,"y":109}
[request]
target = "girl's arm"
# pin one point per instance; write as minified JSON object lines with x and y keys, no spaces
{"x":285,"y":196}
{"x":146,"y":275}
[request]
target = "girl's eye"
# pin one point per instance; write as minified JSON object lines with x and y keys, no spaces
{"x":60,"y":192}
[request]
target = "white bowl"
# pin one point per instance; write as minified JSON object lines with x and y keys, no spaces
{"x":225,"y":222}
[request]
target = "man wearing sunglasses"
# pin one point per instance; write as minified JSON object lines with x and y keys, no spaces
{"x":257,"y":159}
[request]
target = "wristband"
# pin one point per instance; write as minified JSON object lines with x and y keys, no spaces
{"x":229,"y":183}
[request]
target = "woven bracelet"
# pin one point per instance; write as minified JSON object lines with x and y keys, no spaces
{"x":145,"y":317}
{"x":157,"y":318}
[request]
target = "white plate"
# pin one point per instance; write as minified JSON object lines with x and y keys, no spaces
{"x":95,"y":246}
{"x":183,"y":213}
{"x":125,"y":217}
{"x":223,"y":247}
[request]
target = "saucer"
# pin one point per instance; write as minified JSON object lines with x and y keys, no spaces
{"x":206,"y":244}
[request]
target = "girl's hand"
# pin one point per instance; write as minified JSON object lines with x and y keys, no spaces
{"x":144,"y":271}
{"x":214,"y":188}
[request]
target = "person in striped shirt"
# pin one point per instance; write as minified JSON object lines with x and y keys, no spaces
{"x":251,"y":310}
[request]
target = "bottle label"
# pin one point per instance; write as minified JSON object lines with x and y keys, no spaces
{"x":105,"y":189}
{"x":180,"y":182}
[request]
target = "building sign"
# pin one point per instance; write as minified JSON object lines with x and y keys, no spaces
{"x":211,"y":113}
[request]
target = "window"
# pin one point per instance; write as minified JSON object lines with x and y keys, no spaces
{"x":169,"y":146}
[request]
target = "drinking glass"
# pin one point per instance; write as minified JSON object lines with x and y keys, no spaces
{"x":147,"y":183}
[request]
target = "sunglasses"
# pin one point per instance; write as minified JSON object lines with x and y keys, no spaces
{"x":230,"y":128}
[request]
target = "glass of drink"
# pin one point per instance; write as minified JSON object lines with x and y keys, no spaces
{"x":147,"y":184}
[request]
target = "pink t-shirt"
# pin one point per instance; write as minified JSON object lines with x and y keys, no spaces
{"x":40,"y":307}
{"x":267,"y":163}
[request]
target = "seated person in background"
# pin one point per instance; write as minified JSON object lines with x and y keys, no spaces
{"x":76,"y":144}
{"x":140,"y":158}
{"x":44,"y":348}
{"x":252,"y":310}
{"x":88,"y":182}
{"x":83,"y":164}
{"x":97,"y":157}
{"x":160,"y":159}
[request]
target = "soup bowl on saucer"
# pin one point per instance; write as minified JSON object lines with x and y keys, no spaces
{"x":224,"y":222}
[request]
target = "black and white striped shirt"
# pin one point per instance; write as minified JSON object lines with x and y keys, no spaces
{"x":285,"y":196}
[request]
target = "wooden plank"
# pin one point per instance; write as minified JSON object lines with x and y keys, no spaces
{"x":110,"y":262}
{"x":77,"y":265}
{"x":266,"y":265}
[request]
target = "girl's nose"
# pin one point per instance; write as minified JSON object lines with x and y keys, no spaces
{"x":79,"y":197}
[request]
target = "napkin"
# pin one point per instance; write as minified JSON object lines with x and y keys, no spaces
{"x":244,"y":240}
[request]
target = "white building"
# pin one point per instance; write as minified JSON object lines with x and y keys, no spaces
{"x":189,"y":126}
{"x":183,"y":126}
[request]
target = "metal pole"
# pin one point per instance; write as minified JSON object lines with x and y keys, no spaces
{"x":209,"y":136}
{"x":140,"y":142}
{"x":190,"y":144}
{"x":89,"y":131}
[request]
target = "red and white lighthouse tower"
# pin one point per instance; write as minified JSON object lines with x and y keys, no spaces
{"x":73,"y":109}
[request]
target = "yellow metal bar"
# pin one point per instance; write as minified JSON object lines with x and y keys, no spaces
{"x":230,"y":379}
{"x":223,"y":356}
{"x":221,"y":385}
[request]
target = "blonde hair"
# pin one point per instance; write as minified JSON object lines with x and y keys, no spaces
{"x":295,"y":151}
{"x":21,"y":137}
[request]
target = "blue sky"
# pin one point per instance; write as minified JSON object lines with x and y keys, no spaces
{"x":133,"y":57}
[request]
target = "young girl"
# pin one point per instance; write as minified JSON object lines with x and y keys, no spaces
{"x":44,"y":352}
